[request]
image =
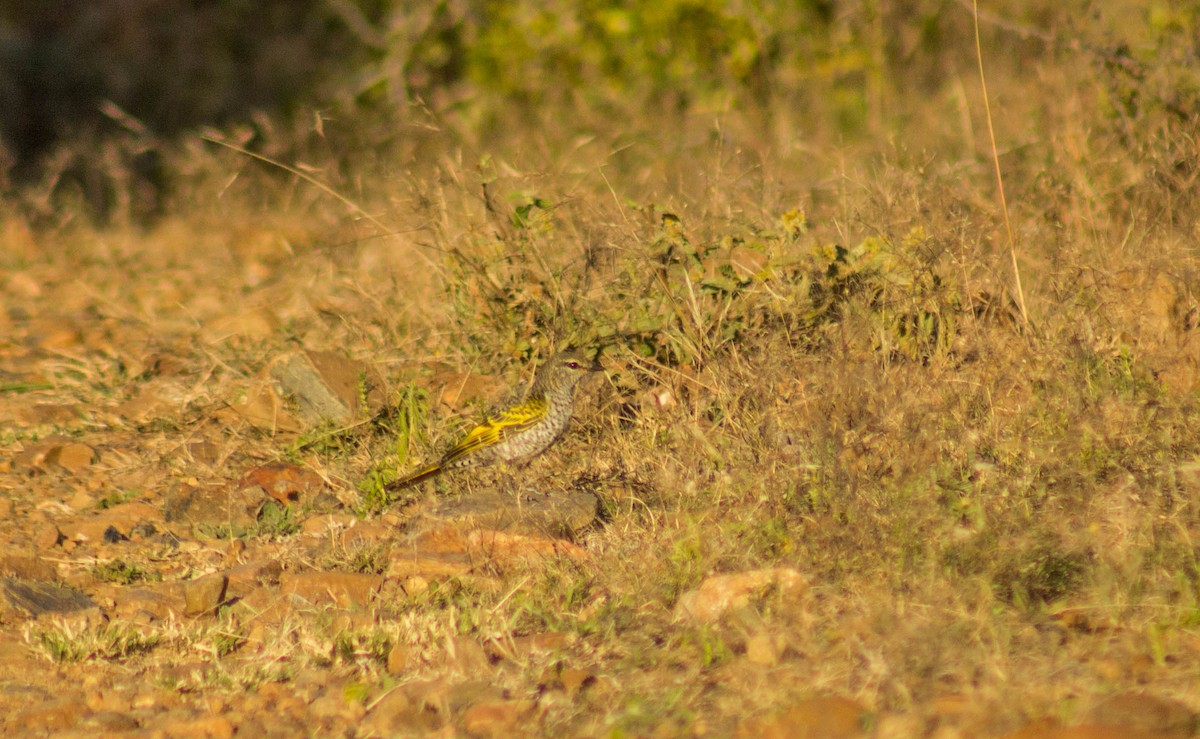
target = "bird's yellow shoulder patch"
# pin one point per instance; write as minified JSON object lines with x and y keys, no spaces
{"x":498,"y":428}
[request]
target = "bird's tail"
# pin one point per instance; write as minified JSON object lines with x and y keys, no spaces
{"x":416,"y":477}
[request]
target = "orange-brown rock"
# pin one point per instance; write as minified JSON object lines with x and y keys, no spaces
{"x":501,"y":549}
{"x":396,"y":712}
{"x":213,"y":506}
{"x":72,"y":457}
{"x":205,"y":594}
{"x":53,"y":716}
{"x":1049,"y":729}
{"x":499,"y":718}
{"x":560,"y":515}
{"x":1146,"y":712}
{"x":27,"y":567}
{"x":286,"y":483}
{"x":343,"y":589}
{"x":405,"y":563}
{"x":46,"y":535}
{"x":110,"y":525}
{"x":720,"y":594}
{"x":574,"y":679}
{"x":456,"y":389}
{"x":148,"y":603}
{"x":248,"y":576}
{"x":826,"y":717}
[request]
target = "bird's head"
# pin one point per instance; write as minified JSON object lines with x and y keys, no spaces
{"x":565,"y":369}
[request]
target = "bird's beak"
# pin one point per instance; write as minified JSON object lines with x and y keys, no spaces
{"x":596,"y":366}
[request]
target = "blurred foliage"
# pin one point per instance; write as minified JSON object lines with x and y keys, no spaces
{"x":480,"y":66}
{"x":93,"y":101}
{"x":171,"y":66}
{"x":342,"y":81}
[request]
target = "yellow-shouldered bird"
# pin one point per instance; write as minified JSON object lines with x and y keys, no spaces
{"x":519,"y":432}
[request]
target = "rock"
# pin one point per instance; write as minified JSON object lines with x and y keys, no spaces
{"x":952,"y":709}
{"x":360,"y":532}
{"x":205,"y":594}
{"x":286,"y":483}
{"x":111,"y":721}
{"x":227,"y":505}
{"x":111,"y":525}
{"x":49,"y":414}
{"x":1049,"y":729}
{"x":909,"y":724}
{"x":395,"y":712}
{"x":446,"y":700}
{"x":344,"y":589}
{"x":720,"y":594}
{"x":498,"y":718}
{"x":1140,"y":711}
{"x":209,"y":727}
{"x":147,"y":405}
{"x":327,"y":387}
{"x":262,"y":408}
{"x":56,"y":453}
{"x":457,"y":389}
{"x":329,"y":706}
{"x":46,"y":536}
{"x":36,"y":598}
{"x":406,"y":563}
{"x":414,"y":585}
{"x":57,"y":715}
{"x":203,"y":451}
{"x":454,"y":551}
{"x":574,"y":680}
{"x":762,"y":650}
{"x":246,"y":577}
{"x":157,"y":602}
{"x":72,"y":457}
{"x":828,"y":717}
{"x":326,"y":524}
{"x":27,"y":568}
{"x":557,"y":515}
{"x":266,"y":606}
{"x":82,"y":501}
{"x":501,"y":550}
{"x":34,"y":456}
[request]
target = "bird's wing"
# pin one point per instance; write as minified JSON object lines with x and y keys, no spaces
{"x":498,"y":428}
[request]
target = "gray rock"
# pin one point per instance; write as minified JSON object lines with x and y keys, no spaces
{"x":36,"y":598}
{"x":559,"y":514}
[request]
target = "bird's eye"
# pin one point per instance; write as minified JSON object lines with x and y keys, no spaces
{"x":573,"y":364}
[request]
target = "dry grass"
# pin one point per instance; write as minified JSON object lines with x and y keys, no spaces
{"x":814,"y":360}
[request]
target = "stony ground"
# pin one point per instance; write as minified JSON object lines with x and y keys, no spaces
{"x":183,"y":555}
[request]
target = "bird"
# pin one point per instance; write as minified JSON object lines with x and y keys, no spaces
{"x":522,"y":431}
